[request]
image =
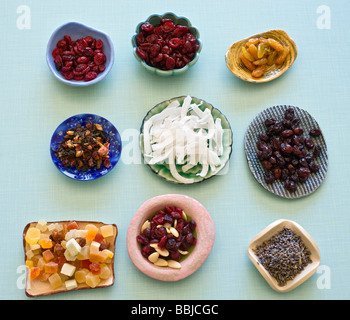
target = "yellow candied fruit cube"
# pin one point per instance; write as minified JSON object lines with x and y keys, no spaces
{"x":84,"y":253}
{"x":30,"y":264}
{"x":33,"y":235}
{"x":110,"y":254}
{"x":55,"y":281}
{"x":105,"y":272}
{"x":80,"y":275}
{"x":92,"y":280}
{"x":107,"y":230}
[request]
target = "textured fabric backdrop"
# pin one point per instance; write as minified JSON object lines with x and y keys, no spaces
{"x":34,"y":103}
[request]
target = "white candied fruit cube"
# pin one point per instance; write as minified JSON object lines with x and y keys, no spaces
{"x":69,"y":256}
{"x":95,"y":244}
{"x":71,"y":284}
{"x":68,"y":269}
{"x":73,"y":247}
{"x":42,"y":225}
{"x":109,"y":253}
{"x":80,"y":233}
{"x":70,"y":234}
{"x":107,"y":230}
{"x":29,"y":254}
{"x":34,"y":247}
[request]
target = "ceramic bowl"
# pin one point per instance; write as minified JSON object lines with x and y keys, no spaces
{"x":113,"y":137}
{"x":309,"y":243}
{"x":154,"y":20}
{"x":163,"y":170}
{"x":234,"y":64}
{"x":205,"y":237}
{"x":307,"y":122}
{"x":77,"y":30}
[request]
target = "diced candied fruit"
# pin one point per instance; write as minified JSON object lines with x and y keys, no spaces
{"x":85,"y":264}
{"x":72,"y":225}
{"x":105,"y":272}
{"x":48,"y":255}
{"x":80,"y":275}
{"x":98,"y":237}
{"x":46,"y":243}
{"x":34,"y":273}
{"x":84,"y":253}
{"x":41,"y":263}
{"x":29,"y":263}
{"x":71,"y":284}
{"x":32,"y":235}
{"x":107,"y":230}
{"x":92,"y":280}
{"x":95,"y":268}
{"x":92,"y":231}
{"x":41,"y":225}
{"x":55,"y":281}
{"x":51,"y":267}
{"x":97,"y":256}
{"x":68,"y":269}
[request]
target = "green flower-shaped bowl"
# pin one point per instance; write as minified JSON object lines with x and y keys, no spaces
{"x":154,"y":20}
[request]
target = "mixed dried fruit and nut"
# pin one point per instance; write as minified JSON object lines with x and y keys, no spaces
{"x":82,"y":59}
{"x":167,"y":45}
{"x":84,"y":147}
{"x":167,"y":237}
{"x":68,"y":255}
{"x":259,"y":53}
{"x":284,"y":255}
{"x":285,"y":153}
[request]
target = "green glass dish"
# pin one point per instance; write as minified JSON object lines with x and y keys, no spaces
{"x":154,"y":20}
{"x":163,"y":170}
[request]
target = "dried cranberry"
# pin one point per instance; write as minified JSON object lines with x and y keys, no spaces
{"x":176,"y":46}
{"x":82,"y":59}
{"x":147,"y":27}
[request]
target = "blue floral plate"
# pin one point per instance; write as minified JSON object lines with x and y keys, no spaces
{"x":113,"y":137}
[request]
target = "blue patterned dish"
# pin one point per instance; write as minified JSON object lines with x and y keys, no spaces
{"x":154,"y":20}
{"x":113,"y":137}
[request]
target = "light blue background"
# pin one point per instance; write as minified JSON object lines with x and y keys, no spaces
{"x":34,"y":103}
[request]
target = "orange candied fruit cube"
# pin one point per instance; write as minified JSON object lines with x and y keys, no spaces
{"x":48,"y":255}
{"x":51,"y":267}
{"x":34,"y":272}
{"x":46,"y":243}
{"x":92,"y":231}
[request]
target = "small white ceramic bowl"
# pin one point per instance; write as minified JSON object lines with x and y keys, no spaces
{"x":269,"y":232}
{"x":77,"y":30}
{"x":205,"y":237}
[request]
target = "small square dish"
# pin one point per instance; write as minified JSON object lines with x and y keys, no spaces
{"x":289,"y":252}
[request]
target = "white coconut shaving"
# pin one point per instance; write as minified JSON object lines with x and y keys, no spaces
{"x":186,"y":136}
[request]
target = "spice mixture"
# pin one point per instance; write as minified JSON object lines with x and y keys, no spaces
{"x":284,"y":256}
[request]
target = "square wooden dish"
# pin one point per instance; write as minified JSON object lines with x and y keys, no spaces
{"x":36,"y":287}
{"x":309,"y":243}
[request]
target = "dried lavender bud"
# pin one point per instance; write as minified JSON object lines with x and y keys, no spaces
{"x":284,"y":256}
